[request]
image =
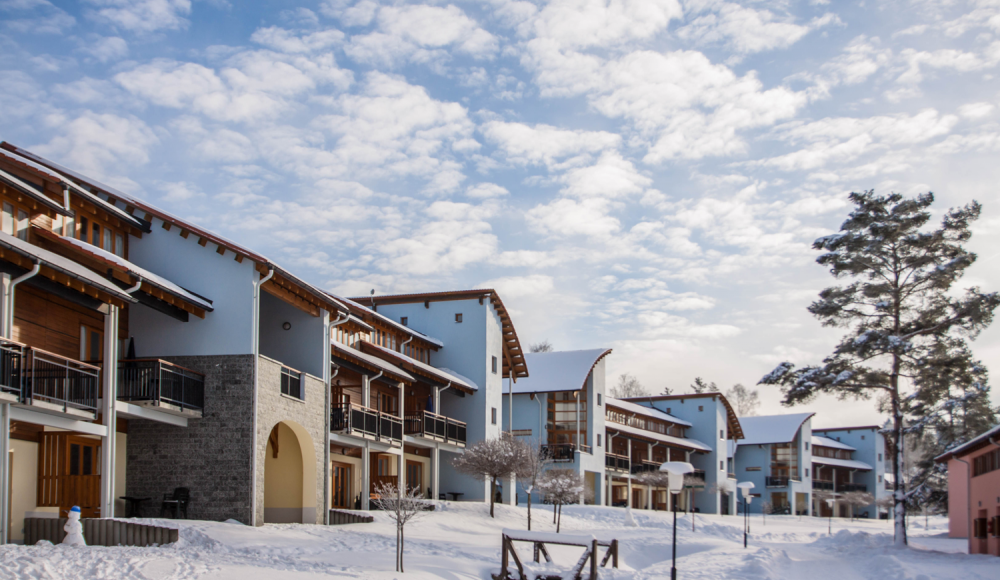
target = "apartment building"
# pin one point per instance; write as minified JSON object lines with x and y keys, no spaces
{"x":775,"y":454}
{"x":847,"y":459}
{"x":561,"y":407}
{"x":974,"y":492}
{"x":714,"y":424}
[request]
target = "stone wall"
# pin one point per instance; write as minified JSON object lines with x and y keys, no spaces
{"x":308,"y":418}
{"x":211,"y":456}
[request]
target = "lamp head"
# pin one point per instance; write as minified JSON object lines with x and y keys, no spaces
{"x":678,"y":467}
{"x":745,"y":487}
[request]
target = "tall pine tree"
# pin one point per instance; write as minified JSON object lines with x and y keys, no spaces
{"x":896,"y":306}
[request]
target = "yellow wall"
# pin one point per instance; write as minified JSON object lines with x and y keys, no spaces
{"x":24,"y":485}
{"x":121,"y":456}
{"x":355,"y":463}
{"x":283,"y":475}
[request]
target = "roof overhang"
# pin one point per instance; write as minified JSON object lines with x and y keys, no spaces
{"x":37,"y":196}
{"x":370,"y":362}
{"x":418,"y":368}
{"x":642,"y":434}
{"x":732,"y":420}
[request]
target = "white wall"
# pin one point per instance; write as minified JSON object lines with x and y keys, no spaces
{"x":229,"y":284}
{"x":301,"y":346}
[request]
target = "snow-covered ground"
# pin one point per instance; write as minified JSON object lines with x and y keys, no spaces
{"x":459,"y":540}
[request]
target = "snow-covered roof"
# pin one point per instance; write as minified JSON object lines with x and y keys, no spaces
{"x":30,"y":191}
{"x":971,"y":445}
{"x":372,"y":361}
{"x":772,"y":428}
{"x":388,"y":321}
{"x":678,"y":441}
{"x":63,"y":265}
{"x":456,"y":380}
{"x":646,"y":411}
{"x":553,"y":372}
{"x":123,"y":264}
{"x":848,"y":463}
{"x":819,"y":441}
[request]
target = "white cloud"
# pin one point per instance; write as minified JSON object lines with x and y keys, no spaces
{"x":486,"y":190}
{"x":141,"y":16}
{"x":745,"y":30}
{"x":523,"y":144}
{"x":569,"y":217}
{"x":105,"y":48}
{"x":283,"y":40}
{"x":589,"y":23}
{"x":611,"y":177}
{"x":948,"y":58}
{"x":521,"y":287}
{"x":975,"y":110}
{"x":102,"y":145}
{"x":35,"y":17}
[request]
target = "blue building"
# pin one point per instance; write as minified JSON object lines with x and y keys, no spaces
{"x":850,"y":459}
{"x":775,"y":454}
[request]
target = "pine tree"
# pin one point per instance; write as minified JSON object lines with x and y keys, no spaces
{"x":896,"y":305}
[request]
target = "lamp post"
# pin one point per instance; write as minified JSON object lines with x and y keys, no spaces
{"x":676,"y":470}
{"x":745,"y":488}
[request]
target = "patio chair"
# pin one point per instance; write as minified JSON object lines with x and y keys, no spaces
{"x":176,"y":502}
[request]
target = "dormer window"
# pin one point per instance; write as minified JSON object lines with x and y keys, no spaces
{"x":15,"y":221}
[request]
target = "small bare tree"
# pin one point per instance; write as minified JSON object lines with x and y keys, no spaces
{"x":765,"y":508}
{"x":654,"y":479}
{"x":691,"y":483}
{"x":745,"y":400}
{"x":402,"y":507}
{"x":544,"y":346}
{"x":561,"y":486}
{"x":857,"y":499}
{"x":489,"y":460}
{"x":628,"y":386}
{"x":529,"y":467}
{"x":886,"y":502}
{"x":828,"y":497}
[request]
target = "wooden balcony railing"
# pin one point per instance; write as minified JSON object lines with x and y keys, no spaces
{"x":846,"y":487}
{"x":361,"y":421}
{"x":770,"y":481}
{"x":825,"y":485}
{"x":160,"y":382}
{"x":616,"y":462}
{"x":643,"y":466}
{"x":560,"y":452}
{"x":59,"y":382}
{"x":437,"y":427}
{"x":11,"y":362}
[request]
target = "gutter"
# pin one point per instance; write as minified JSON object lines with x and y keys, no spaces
{"x":255,"y":334}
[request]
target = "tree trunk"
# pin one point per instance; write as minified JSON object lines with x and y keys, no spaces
{"x":559,"y":523}
{"x":555,"y":510}
{"x":493,"y":494}
{"x":398,"y":542}
{"x":529,"y":510}
{"x":401,"y":550}
{"x":899,"y":493}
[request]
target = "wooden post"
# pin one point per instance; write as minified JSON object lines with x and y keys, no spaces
{"x":593,"y":559}
{"x":503,"y":559}
{"x":614,"y":558}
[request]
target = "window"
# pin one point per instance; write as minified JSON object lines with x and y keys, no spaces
{"x":91,"y":341}
{"x":494,"y":365}
{"x":598,"y":402}
{"x":701,"y":408}
{"x":562,"y":419}
{"x":404,"y":320}
{"x":753,"y":469}
{"x":598,"y":439}
{"x":880,"y":457}
{"x":807,"y":446}
{"x":8,"y":218}
{"x":722,"y":434}
{"x":880,"y":479}
{"x":722,"y":466}
{"x":22,"y":224}
{"x":15,"y":221}
{"x":108,"y":236}
{"x":119,"y":245}
{"x":862,"y":437}
{"x":493,"y":413}
{"x":668,"y":410}
{"x":291,"y":383}
{"x":986,"y":463}
{"x":458,"y":317}
{"x":807,"y":472}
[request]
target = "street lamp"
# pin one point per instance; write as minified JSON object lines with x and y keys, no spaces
{"x":676,"y":470}
{"x":745,"y":488}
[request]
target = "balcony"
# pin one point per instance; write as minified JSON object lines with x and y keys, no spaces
{"x":11,"y":359}
{"x":435,"y":427}
{"x":644,"y":466}
{"x":847,"y":487}
{"x":157,"y":383}
{"x":359,"y":421}
{"x":776,"y":481}
{"x":615,"y":462}
{"x":824,"y":485}
{"x":58,"y":384}
{"x":560,"y":452}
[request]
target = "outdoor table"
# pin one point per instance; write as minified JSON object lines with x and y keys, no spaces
{"x":133,"y":505}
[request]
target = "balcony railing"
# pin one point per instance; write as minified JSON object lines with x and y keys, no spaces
{"x":776,"y":481}
{"x":161,"y":384}
{"x":354,"y":419}
{"x":616,"y":462}
{"x":60,"y":383}
{"x":560,"y":452}
{"x":437,"y":427}
{"x":11,"y":362}
{"x":644,"y":466}
{"x":825,"y":485}
{"x":846,"y":487}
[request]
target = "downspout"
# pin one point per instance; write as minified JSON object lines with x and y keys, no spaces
{"x":328,"y":331}
{"x":136,"y":287}
{"x":8,"y":321}
{"x":255,"y":337}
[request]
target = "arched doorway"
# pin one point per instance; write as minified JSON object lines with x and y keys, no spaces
{"x":289,"y":475}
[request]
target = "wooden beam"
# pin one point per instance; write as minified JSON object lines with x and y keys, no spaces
{"x":166,"y":225}
{"x":239,"y":258}
{"x":185,"y":233}
{"x":221,"y":250}
{"x":280,"y":293}
{"x":147,"y":217}
{"x":202,"y":241}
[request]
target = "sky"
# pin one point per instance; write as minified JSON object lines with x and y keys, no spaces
{"x":642,"y":175}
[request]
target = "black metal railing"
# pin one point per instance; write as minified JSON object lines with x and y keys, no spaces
{"x":158,"y":381}
{"x":644,"y":466}
{"x":846,"y":487}
{"x":699,"y":473}
{"x":776,"y":481}
{"x":616,"y":462}
{"x":825,"y":485}
{"x":437,"y":427}
{"x":11,"y":365}
{"x":357,"y":420}
{"x":60,"y":381}
{"x":586,"y":449}
{"x":560,"y":452}
{"x":291,"y":382}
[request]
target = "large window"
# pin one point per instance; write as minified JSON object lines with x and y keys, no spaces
{"x":563,"y":417}
{"x":785,"y":459}
{"x":15,"y":221}
{"x":985,"y":463}
{"x":101,"y":236}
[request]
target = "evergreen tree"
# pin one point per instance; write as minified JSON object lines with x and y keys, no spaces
{"x":897,"y":307}
{"x":701,"y":386}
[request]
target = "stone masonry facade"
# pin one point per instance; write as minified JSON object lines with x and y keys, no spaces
{"x":310,"y":414}
{"x":211,"y":456}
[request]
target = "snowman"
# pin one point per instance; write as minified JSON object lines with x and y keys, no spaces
{"x":74,"y":529}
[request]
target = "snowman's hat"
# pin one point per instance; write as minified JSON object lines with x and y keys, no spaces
{"x":75,"y":508}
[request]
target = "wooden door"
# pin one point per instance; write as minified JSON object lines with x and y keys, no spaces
{"x":638,"y":499}
{"x":414,"y":475}
{"x":69,"y":473}
{"x":342,"y":486}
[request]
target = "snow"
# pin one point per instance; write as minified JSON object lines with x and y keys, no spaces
{"x":847,"y":463}
{"x":553,"y":537}
{"x":459,"y":541}
{"x":553,"y":372}
{"x":389,"y":321}
{"x":771,"y":428}
{"x":683,"y":442}
{"x":372,"y":360}
{"x":647,"y":411}
{"x":819,"y":440}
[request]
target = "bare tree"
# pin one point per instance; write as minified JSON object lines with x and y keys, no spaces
{"x":628,"y":386}
{"x":529,"y":467}
{"x":667,"y":391}
{"x":691,"y":483}
{"x":544,"y":346}
{"x":746,"y":400}
{"x":857,"y":499}
{"x":402,"y":507}
{"x":489,"y":460}
{"x":825,"y":496}
{"x":701,"y":386}
{"x":654,"y":479}
{"x":561,"y":486}
{"x":886,"y":502}
{"x":765,"y":508}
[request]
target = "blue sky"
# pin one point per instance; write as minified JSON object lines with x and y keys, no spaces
{"x":643,"y":175}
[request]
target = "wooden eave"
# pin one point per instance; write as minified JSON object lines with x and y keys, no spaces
{"x":61,"y":278}
{"x":650,"y":439}
{"x":408,"y":366}
{"x":367,"y":365}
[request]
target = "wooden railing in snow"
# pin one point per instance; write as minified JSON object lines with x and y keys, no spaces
{"x":591,"y":553}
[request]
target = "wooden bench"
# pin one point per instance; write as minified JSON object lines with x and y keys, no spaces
{"x":591,"y":553}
